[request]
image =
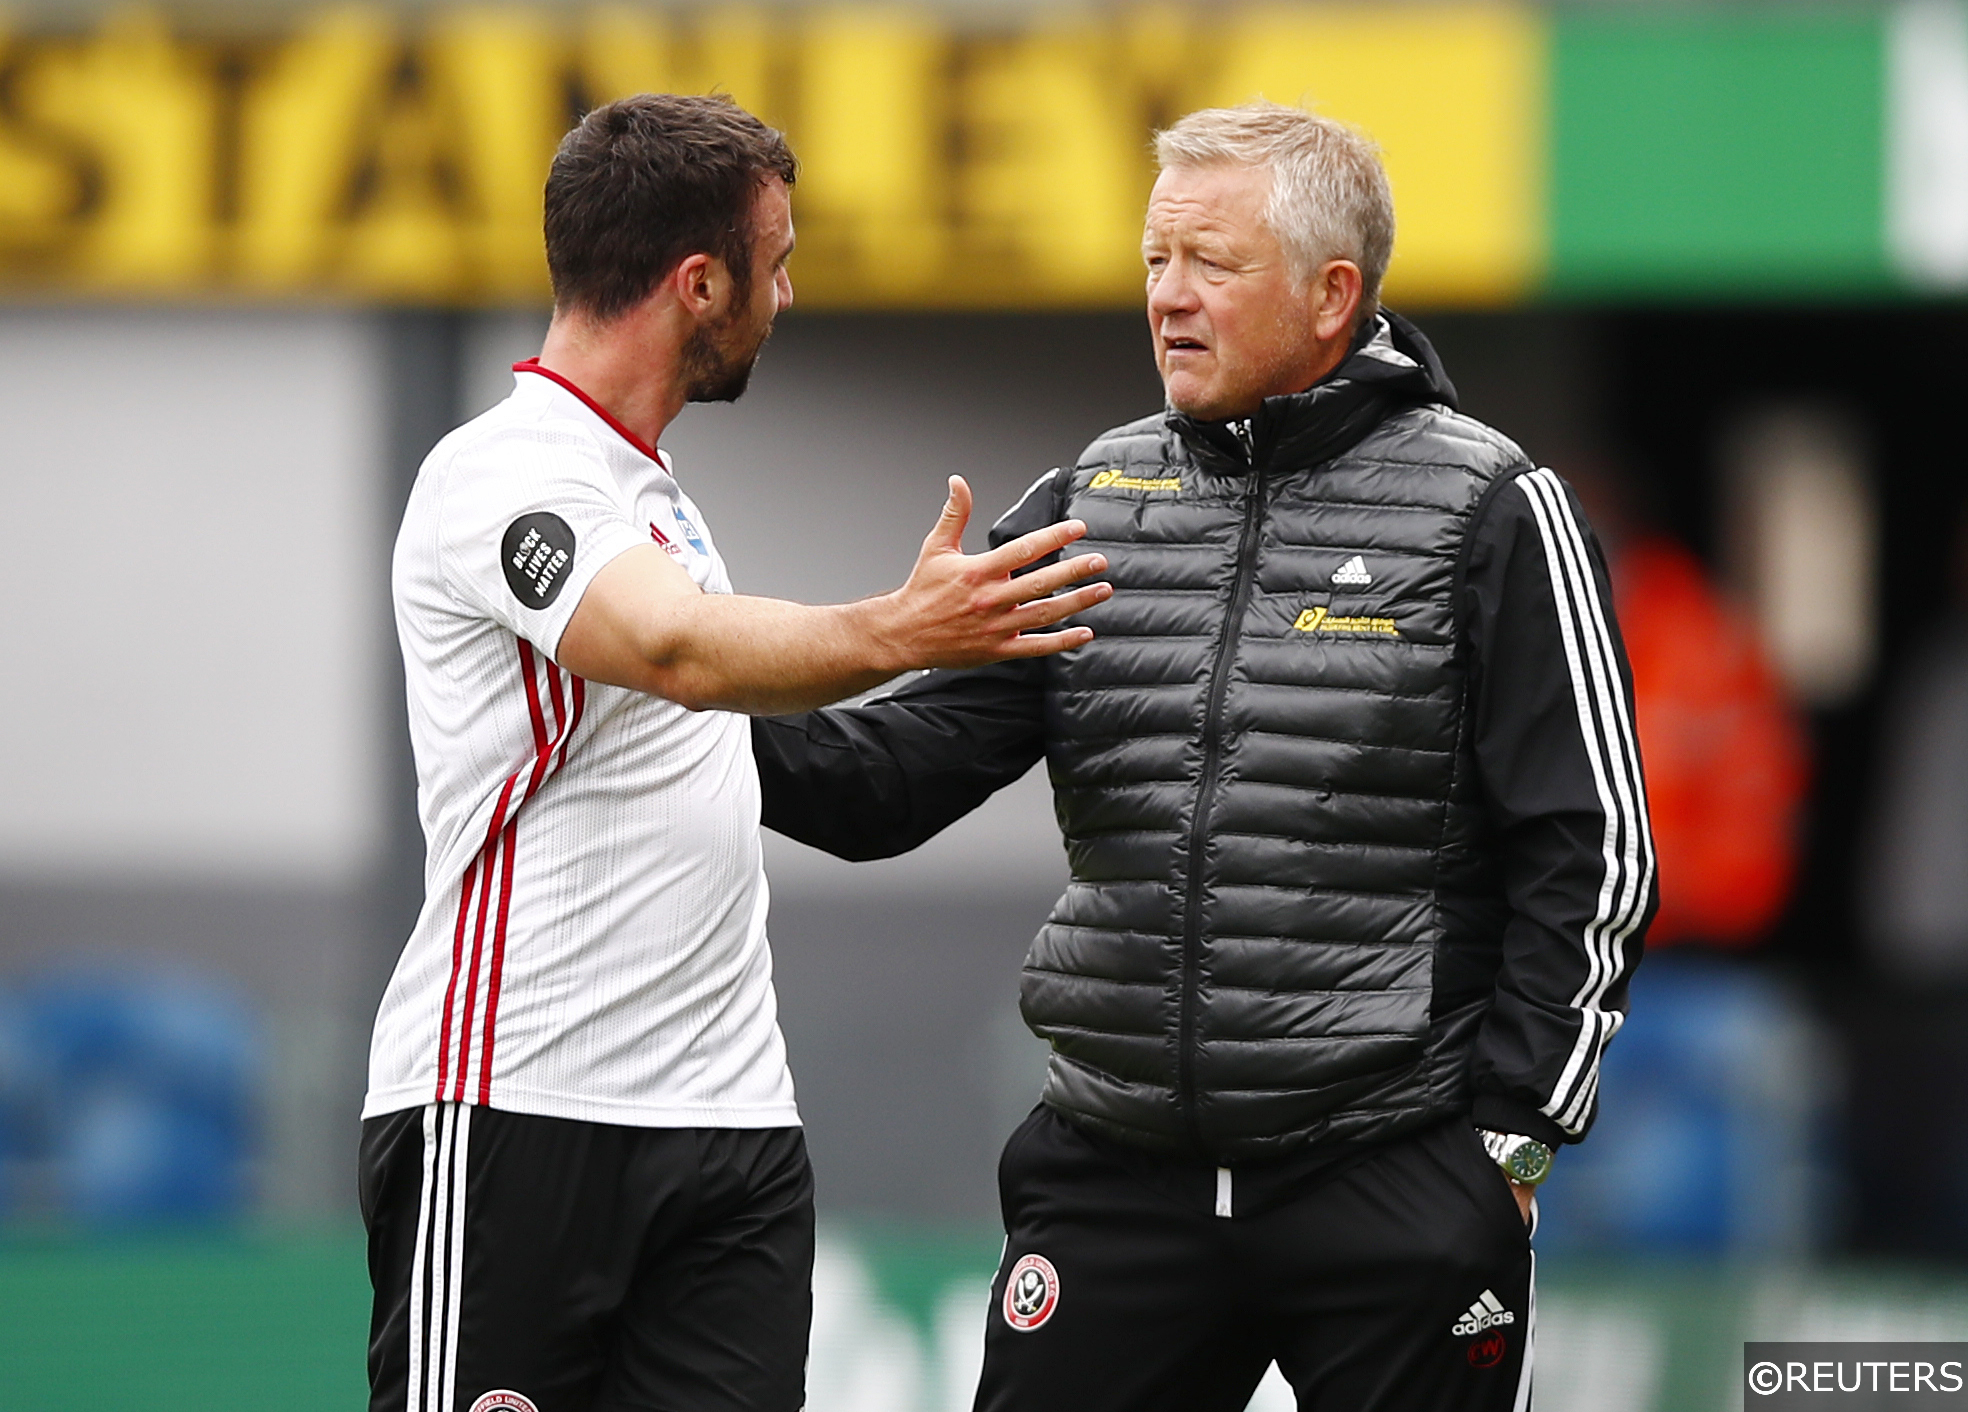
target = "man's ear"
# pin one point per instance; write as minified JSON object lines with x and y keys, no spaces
{"x":702,"y":285}
{"x":1336,"y":287}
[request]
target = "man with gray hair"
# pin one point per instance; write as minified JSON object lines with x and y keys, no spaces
{"x":1354,"y":811}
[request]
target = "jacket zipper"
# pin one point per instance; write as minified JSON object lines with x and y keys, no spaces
{"x":1192,"y":927}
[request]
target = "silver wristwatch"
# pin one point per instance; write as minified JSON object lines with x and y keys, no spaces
{"x":1524,"y":1160}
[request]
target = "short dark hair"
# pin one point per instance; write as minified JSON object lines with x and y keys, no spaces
{"x":643,"y":183}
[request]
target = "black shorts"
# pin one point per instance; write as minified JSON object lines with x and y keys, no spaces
{"x":528,"y":1264}
{"x":1399,"y":1283}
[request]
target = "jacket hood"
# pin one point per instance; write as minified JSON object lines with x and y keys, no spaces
{"x":1390,"y":365}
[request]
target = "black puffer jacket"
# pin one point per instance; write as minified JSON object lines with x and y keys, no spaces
{"x":1285,"y":799}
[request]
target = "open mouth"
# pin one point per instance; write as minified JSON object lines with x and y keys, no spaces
{"x":1184,"y":345}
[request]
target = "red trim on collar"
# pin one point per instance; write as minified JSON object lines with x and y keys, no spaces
{"x":532,"y":365}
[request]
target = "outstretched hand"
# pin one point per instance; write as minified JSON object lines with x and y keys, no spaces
{"x":967,"y":610}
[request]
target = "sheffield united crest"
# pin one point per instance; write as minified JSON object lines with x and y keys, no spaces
{"x":1031,"y":1293}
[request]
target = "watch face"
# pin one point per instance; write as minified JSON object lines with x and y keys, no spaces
{"x":1529,"y":1162}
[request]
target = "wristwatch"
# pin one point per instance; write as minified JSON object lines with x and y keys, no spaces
{"x":1524,"y":1160}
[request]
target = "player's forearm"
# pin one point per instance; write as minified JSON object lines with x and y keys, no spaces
{"x":644,"y":625}
{"x":764,"y":656}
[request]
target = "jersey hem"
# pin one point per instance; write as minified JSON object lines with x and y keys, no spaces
{"x":540,"y":1104}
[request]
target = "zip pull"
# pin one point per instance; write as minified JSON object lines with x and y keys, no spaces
{"x":1223,"y":1191}
{"x":1247,"y":436}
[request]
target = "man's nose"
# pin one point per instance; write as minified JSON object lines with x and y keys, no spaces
{"x":1170,"y":291}
{"x":785,"y":284}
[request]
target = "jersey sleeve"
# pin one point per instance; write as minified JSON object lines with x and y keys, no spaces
{"x":876,"y":780}
{"x":879,"y":779}
{"x":523,"y":529}
{"x":1559,"y":762}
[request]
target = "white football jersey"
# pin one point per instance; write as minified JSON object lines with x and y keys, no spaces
{"x":592,"y":943}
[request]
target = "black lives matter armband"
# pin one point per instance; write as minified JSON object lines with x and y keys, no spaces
{"x":536,"y":554}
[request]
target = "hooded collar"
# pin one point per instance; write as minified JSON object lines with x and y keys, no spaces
{"x":1390,"y":365}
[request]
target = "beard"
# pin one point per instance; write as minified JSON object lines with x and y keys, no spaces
{"x":718,"y":359}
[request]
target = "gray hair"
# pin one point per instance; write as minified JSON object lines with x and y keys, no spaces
{"x":1329,"y":194}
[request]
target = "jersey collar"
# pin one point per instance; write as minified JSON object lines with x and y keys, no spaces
{"x":532,"y":365}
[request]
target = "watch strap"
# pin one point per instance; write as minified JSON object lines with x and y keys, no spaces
{"x":1524,"y":1160}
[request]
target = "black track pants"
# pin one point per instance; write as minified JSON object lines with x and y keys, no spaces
{"x":527,"y":1264}
{"x":1402,"y":1283}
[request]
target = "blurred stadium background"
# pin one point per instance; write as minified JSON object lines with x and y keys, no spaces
{"x":256,"y":256}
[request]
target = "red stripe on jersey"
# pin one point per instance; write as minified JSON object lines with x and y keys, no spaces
{"x":544,"y":751}
{"x":457,"y":961}
{"x":511,"y":841}
{"x":527,"y":674}
{"x":483,"y":865}
{"x":497,"y":843}
{"x":490,"y":860}
{"x":532,"y":365}
{"x":553,"y":689}
{"x":487,"y":857}
{"x":580,"y":694}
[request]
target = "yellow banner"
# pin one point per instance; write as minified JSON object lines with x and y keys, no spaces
{"x":361,"y":156}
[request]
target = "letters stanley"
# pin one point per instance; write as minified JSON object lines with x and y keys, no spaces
{"x":349,"y":151}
